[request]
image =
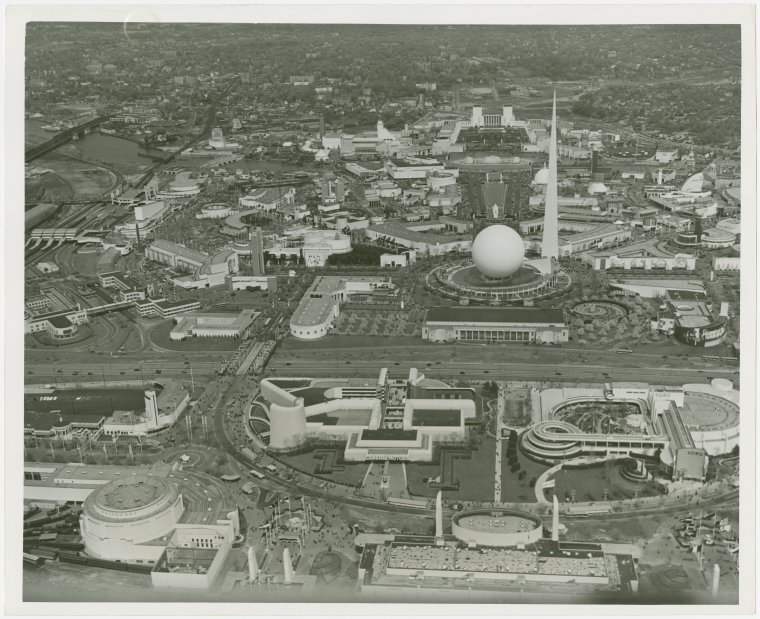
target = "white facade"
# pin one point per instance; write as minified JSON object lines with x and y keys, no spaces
{"x":263,"y":282}
{"x":212,"y":325}
{"x":215,"y":211}
{"x":665,"y":156}
{"x":398,"y":260}
{"x":726,"y":263}
{"x":505,"y":119}
{"x":412,"y":168}
{"x":683,"y":262}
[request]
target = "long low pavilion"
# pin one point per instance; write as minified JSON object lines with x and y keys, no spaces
{"x":502,"y":324}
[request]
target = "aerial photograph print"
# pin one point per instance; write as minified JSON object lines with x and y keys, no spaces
{"x":383,"y":313}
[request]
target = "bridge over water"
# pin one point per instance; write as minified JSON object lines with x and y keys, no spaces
{"x":59,"y":139}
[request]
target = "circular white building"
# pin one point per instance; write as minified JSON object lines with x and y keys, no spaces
{"x":498,"y":251}
{"x":215,"y":211}
{"x":184,"y":188}
{"x":337,"y":242}
{"x":496,"y":527}
{"x":120,"y":518}
{"x":438,"y":181}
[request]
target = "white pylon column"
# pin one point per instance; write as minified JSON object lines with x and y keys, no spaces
{"x":555,"y":519}
{"x":287,"y":565}
{"x":439,"y":516}
{"x":253,"y":566}
{"x":550,"y":240}
{"x":715,"y":580}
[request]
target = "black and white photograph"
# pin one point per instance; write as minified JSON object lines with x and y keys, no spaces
{"x":325,"y":306}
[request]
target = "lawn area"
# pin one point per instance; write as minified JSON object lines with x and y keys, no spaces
{"x":310,"y":395}
{"x":614,"y":529}
{"x":474,"y":474}
{"x":290,"y":384}
{"x":326,"y":463}
{"x":86,"y":177}
{"x":372,"y":520}
{"x":159,"y":335}
{"x":514,"y":489}
{"x":517,"y":408}
{"x":86,"y":263}
{"x":589,"y":484}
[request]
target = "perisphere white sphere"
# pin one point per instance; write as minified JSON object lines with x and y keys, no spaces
{"x":498,"y":251}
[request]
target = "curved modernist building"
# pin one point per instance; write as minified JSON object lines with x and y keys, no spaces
{"x":717,"y":238}
{"x":287,"y":425}
{"x":320,"y":304}
{"x":119,"y":519}
{"x":683,"y":425}
{"x":383,"y":420}
{"x":438,"y":181}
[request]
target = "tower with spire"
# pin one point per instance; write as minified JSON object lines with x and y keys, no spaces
{"x":550,"y":241}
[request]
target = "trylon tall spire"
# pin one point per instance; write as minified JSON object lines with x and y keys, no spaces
{"x":438,"y":516}
{"x":550,"y":243}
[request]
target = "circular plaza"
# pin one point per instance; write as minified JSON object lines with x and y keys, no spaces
{"x":462,"y":279}
{"x":600,"y":309}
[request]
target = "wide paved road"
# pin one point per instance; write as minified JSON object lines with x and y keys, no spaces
{"x":513,"y":371}
{"x":82,"y":371}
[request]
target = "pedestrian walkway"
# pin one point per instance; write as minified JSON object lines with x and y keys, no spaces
{"x":499,"y":441}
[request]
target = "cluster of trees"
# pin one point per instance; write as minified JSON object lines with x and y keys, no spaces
{"x":710,"y":113}
{"x":490,"y":389}
{"x":513,"y":457}
{"x":364,"y":255}
{"x":256,"y":220}
{"x":386,"y":62}
{"x":609,"y":328}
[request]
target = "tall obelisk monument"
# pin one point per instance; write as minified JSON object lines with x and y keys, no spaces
{"x":550,"y":243}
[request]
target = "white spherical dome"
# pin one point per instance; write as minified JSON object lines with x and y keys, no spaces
{"x":597,"y":188}
{"x":541,"y":177}
{"x":498,"y":251}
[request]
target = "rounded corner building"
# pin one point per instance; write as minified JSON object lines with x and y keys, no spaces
{"x":122,"y":517}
